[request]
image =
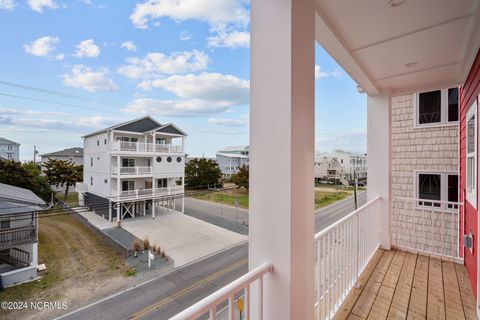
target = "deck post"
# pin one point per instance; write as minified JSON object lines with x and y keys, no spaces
{"x":153,"y":208}
{"x":109,"y":210}
{"x":282,"y":122}
{"x":378,"y":159}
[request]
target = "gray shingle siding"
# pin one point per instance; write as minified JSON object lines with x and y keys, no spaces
{"x":141,"y":125}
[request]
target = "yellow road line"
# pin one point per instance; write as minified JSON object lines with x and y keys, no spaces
{"x":189,"y":289}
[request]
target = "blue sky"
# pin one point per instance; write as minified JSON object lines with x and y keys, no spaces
{"x":185,"y":62}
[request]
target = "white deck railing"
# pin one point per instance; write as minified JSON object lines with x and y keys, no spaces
{"x":154,"y":192}
{"x":208,"y":306}
{"x":146,"y":147}
{"x":428,"y":226}
{"x":136,"y":170}
{"x":343,"y":251}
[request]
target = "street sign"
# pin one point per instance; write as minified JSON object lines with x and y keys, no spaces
{"x":240,"y":304}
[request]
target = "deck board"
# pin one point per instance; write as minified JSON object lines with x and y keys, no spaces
{"x":405,"y":285}
{"x":401,"y":298}
{"x":369,"y":293}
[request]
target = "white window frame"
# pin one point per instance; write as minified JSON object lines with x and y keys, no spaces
{"x":443,"y":189}
{"x":471,"y":194}
{"x":443,"y":109}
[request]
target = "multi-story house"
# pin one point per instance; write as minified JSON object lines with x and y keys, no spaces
{"x":411,"y":252}
{"x":231,"y":159}
{"x":74,"y":155}
{"x":352,"y":162}
{"x":18,"y":234}
{"x":9,"y":150}
{"x":132,"y":168}
{"x":328,"y":169}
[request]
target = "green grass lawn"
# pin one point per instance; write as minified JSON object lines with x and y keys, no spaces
{"x":72,"y":198}
{"x":322,"y":199}
{"x":226,"y":198}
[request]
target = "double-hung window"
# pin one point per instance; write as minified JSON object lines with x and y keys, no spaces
{"x":438,"y":107}
{"x":437,"y":189}
{"x":471,"y":159}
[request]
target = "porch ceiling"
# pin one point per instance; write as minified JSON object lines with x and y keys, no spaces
{"x":375,"y":40}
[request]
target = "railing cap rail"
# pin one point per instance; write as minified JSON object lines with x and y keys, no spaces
{"x":339,"y":222}
{"x":222,"y":294}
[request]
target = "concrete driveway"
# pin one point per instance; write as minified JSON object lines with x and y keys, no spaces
{"x":184,"y":238}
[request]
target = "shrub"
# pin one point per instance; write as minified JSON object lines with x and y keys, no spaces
{"x":154,"y":248}
{"x":136,"y":245}
{"x":146,"y":244}
{"x":131,"y":272}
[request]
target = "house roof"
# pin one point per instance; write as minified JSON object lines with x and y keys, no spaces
{"x":235,"y":148}
{"x":170,"y":128}
{"x":232,"y":155}
{"x":140,"y":125}
{"x":70,"y":152}
{"x":9,"y":141}
{"x":15,"y":200}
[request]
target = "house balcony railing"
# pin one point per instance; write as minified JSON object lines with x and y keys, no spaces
{"x":17,"y":236}
{"x":208,"y":307}
{"x":146,"y":147}
{"x":345,"y":248}
{"x":136,"y":170}
{"x":150,"y":193}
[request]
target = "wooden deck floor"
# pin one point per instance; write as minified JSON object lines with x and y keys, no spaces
{"x":401,"y":285}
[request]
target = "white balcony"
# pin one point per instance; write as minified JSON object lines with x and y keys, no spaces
{"x":132,"y":171}
{"x":139,"y":194}
{"x":142,"y":147}
{"x":347,"y":254}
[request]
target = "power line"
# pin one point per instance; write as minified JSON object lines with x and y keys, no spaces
{"x":58,"y":103}
{"x":54,"y":92}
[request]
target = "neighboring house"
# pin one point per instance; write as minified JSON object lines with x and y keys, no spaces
{"x":9,"y":149}
{"x":351,"y":162}
{"x":418,"y":62}
{"x":74,"y":155}
{"x":231,"y":159}
{"x":328,"y":169}
{"x":132,"y":168}
{"x":18,"y":234}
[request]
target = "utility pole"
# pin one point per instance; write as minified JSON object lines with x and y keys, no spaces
{"x":34,"y":153}
{"x":355,"y":188}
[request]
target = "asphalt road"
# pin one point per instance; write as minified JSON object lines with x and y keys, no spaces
{"x":165,"y":296}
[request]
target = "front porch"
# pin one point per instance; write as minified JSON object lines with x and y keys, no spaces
{"x":403,"y":285}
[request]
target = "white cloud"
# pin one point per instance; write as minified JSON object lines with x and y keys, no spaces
{"x":38,"y":5}
{"x":50,"y":120}
{"x":42,"y":47}
{"x":241,"y":122}
{"x":217,"y":13}
{"x":60,"y":56}
{"x":202,"y":94}
{"x":214,"y":87}
{"x":129,"y":45}
{"x":155,"y":64}
{"x":87,"y":48}
{"x":174,"y":108}
{"x":233,"y":39}
{"x":7,"y":5}
{"x":88,"y":79}
{"x":319,"y":73}
{"x":350,"y":141}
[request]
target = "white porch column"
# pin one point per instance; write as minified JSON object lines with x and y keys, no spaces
{"x":378,"y":158}
{"x":109,"y":210}
{"x":282,"y":123}
{"x":153,"y":208}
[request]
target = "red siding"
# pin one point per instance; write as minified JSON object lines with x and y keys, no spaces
{"x":468,"y":93}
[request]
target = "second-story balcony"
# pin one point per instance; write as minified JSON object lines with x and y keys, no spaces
{"x":17,"y":236}
{"x":139,"y":194}
{"x":144,"y":147}
{"x":132,"y":171}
